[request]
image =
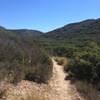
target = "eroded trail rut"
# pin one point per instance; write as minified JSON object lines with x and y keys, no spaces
{"x":56,"y":89}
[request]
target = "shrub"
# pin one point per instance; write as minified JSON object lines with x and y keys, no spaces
{"x":81,"y":69}
{"x":85,"y":67}
{"x":87,"y":91}
{"x":63,"y":51}
{"x":20,"y":58}
{"x":61,"y":60}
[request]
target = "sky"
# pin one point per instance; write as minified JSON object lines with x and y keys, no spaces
{"x":46,"y":15}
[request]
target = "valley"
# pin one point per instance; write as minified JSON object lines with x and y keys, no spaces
{"x":27,"y":71}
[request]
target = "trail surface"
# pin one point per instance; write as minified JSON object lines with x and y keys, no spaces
{"x":62,"y":88}
{"x":58,"y":84}
{"x":56,"y":89}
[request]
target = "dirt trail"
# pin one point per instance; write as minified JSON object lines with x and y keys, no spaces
{"x":56,"y":89}
{"x":58,"y":84}
{"x":63,"y":89}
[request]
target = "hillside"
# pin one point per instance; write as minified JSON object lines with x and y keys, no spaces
{"x":56,"y":89}
{"x":20,"y":54}
{"x":88,"y":29}
{"x":27,"y":33}
{"x":20,"y":33}
{"x":71,"y":37}
{"x":25,"y":55}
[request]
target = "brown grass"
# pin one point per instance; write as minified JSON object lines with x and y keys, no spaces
{"x":87,"y":91}
{"x":26,"y":90}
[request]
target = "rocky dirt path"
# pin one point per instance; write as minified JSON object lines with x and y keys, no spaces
{"x":56,"y":89}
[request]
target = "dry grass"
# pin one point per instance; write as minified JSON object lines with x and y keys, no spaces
{"x":26,"y":90}
{"x":87,"y":91}
{"x":56,"y":89}
{"x":61,"y":60}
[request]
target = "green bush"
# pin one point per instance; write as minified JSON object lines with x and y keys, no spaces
{"x":20,"y":58}
{"x":81,"y":69}
{"x":63,"y":51}
{"x":86,"y":67}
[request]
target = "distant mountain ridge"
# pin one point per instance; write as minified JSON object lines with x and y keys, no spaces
{"x":85,"y":29}
{"x":19,"y":34}
{"x":27,"y":32}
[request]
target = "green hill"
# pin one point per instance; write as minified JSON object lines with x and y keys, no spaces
{"x":88,"y":29}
